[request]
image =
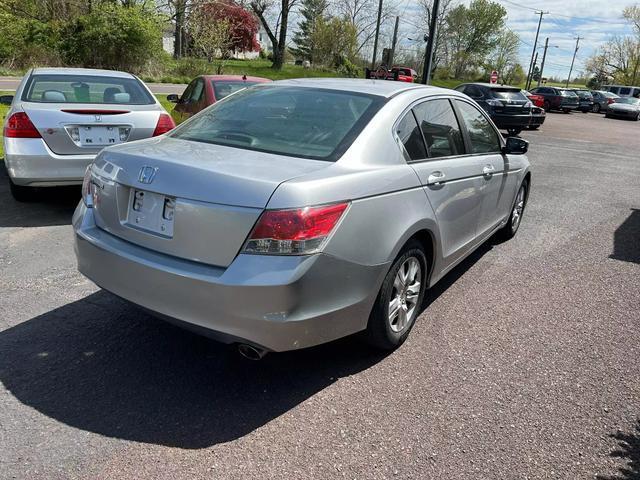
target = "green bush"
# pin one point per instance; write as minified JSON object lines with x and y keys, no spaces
{"x":112,"y":36}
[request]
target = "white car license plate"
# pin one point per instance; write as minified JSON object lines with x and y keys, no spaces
{"x":99,"y":135}
{"x":152,"y":212}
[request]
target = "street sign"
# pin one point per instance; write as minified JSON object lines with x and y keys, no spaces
{"x":494,"y":77}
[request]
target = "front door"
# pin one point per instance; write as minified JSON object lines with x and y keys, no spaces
{"x":497,"y":183}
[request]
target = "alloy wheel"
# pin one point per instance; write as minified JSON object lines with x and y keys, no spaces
{"x":405,"y":294}
{"x":518,"y":208}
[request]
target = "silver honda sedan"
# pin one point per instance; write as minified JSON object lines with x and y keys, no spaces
{"x":294,"y":213}
{"x":60,"y":118}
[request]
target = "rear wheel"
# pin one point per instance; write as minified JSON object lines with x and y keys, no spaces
{"x":637,"y":117}
{"x":22,"y":194}
{"x":596,"y":108}
{"x":511,"y":228}
{"x":399,"y":299}
{"x":513,"y":131}
{"x":566,"y":110}
{"x":547,"y":105}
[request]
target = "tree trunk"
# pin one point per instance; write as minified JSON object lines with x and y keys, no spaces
{"x":178,"y":33}
{"x":279,"y":50}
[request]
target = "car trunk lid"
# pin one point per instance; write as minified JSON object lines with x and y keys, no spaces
{"x":84,"y":129}
{"x":513,"y":101}
{"x":195,"y":201}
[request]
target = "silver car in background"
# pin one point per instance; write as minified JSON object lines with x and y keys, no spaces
{"x":295,"y":213}
{"x":60,"y":118}
{"x":624,"y":107}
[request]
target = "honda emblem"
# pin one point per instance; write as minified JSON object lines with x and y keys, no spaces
{"x":147,"y":174}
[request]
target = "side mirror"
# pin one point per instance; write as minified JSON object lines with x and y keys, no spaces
{"x":516,"y":146}
{"x":6,"y":99}
{"x":172,"y":97}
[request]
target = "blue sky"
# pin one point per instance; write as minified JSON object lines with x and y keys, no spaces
{"x":595,"y":20}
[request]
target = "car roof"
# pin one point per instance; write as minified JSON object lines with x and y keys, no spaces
{"x":383,"y":88}
{"x":80,"y":71}
{"x":235,"y":78}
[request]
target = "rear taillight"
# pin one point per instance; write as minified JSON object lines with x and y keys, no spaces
{"x":165,"y":123}
{"x":294,"y":232}
{"x":19,"y":125}
{"x":87,"y":188}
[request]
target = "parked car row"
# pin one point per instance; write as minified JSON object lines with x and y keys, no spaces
{"x":241,"y":221}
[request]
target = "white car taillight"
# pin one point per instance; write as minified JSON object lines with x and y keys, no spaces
{"x":87,"y":188}
{"x":294,"y":232}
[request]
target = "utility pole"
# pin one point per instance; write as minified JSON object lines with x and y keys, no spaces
{"x":431,"y":41}
{"x":544,"y":57}
{"x":535,"y":44}
{"x":375,"y":42}
{"x":578,"y":38}
{"x":533,"y":69}
{"x":393,"y":44}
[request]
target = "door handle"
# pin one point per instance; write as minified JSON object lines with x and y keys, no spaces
{"x":488,"y":170}
{"x":435,"y":178}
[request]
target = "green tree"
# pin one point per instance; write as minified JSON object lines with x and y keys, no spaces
{"x":504,"y":56}
{"x":113,"y":36}
{"x":473,"y":32}
{"x":312,"y":11}
{"x":335,"y":42}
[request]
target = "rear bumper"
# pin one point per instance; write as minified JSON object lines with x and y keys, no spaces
{"x":511,"y":121}
{"x":31,"y":163}
{"x":621,"y":114}
{"x":537,"y":120}
{"x":568,"y":106}
{"x":279,"y":303}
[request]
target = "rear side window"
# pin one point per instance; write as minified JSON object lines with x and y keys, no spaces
{"x":625,"y":91}
{"x":440,"y":128}
{"x":294,"y":121}
{"x":85,"y":89}
{"x":409,"y":134}
{"x":483,"y":137}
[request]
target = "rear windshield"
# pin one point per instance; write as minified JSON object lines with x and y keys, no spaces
{"x":224,"y":88}
{"x":508,"y":94}
{"x":584,"y":94}
{"x":86,"y":89}
{"x":294,"y":121}
{"x":629,"y":100}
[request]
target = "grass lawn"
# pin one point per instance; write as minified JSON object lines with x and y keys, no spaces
{"x":3,"y":112}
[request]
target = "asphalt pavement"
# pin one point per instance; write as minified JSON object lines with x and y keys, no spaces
{"x":525,"y":363}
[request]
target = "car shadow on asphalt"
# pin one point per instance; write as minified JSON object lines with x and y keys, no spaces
{"x":626,"y":243}
{"x":629,"y":450}
{"x":53,"y":206}
{"x":102,"y":365}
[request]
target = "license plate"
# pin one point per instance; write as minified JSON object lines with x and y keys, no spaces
{"x":152,"y":212}
{"x":91,"y":135}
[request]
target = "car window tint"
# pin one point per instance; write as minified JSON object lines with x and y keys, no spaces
{"x":295,"y":121}
{"x":440,"y":128}
{"x":509,"y":94}
{"x":197,"y":92}
{"x":482,"y":135}
{"x":473,"y":91}
{"x":186,"y":95}
{"x":409,"y":134}
{"x":60,"y":88}
{"x":625,"y":91}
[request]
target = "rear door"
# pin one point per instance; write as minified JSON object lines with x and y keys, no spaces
{"x":449,"y":176}
{"x":497,"y":182}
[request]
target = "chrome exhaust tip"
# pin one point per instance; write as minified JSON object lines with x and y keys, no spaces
{"x":250,"y":352}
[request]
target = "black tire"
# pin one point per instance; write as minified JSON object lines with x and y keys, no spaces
{"x":566,"y":110}
{"x":637,"y":117}
{"x":596,"y":108}
{"x":22,"y":194}
{"x":547,"y":105}
{"x":379,"y":332}
{"x":534,"y":127}
{"x":508,"y":231}
{"x":514,"y":131}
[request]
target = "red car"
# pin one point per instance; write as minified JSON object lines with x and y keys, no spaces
{"x":404,"y":74}
{"x":537,"y":100}
{"x":206,"y":90}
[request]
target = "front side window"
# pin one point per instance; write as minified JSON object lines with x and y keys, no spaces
{"x":295,"y":121}
{"x":197,"y":93}
{"x":483,"y":137}
{"x":440,"y":128}
{"x":409,"y":134}
{"x":55,"y":88}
